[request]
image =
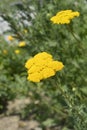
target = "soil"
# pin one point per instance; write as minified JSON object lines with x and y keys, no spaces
{"x":14,"y":123}
{"x":10,"y":121}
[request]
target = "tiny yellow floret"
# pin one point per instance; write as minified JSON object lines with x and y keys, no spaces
{"x":5,"y":51}
{"x":42,"y":66}
{"x":22,"y":44}
{"x":25,"y":31}
{"x":10,"y":38}
{"x":64,"y":17}
{"x":17,"y":51}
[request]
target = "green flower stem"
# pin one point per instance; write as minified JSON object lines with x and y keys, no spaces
{"x":69,"y":28}
{"x":66,"y":97}
{"x":54,"y":108}
{"x":70,"y":103}
{"x":78,"y":40}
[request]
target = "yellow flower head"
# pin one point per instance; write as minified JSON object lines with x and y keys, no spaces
{"x":10,"y":38}
{"x":25,"y":31}
{"x":22,"y":44}
{"x":64,"y":17}
{"x":5,"y":51}
{"x":42,"y":66}
{"x":17,"y":51}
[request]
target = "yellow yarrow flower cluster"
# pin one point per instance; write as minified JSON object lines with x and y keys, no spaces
{"x":42,"y":66}
{"x":17,"y":51}
{"x":5,"y":51}
{"x":22,"y":44}
{"x":25,"y":31}
{"x":64,"y":17}
{"x":10,"y":38}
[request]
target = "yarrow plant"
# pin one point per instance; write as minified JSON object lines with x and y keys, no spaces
{"x":64,"y":17}
{"x":42,"y":66}
{"x":56,"y":89}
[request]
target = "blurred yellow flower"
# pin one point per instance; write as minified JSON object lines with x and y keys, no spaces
{"x":42,"y":66}
{"x":10,"y":38}
{"x":17,"y":51}
{"x":64,"y":17}
{"x":25,"y":31}
{"x":5,"y":51}
{"x":22,"y":44}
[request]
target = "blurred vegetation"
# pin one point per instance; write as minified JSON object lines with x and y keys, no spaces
{"x":29,"y":21}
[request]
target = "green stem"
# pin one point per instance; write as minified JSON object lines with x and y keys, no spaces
{"x":75,"y":37}
{"x":66,"y":97}
{"x":70,"y":104}
{"x":78,"y":40}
